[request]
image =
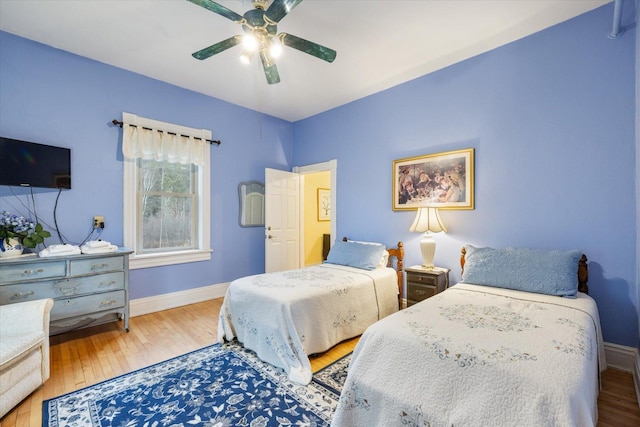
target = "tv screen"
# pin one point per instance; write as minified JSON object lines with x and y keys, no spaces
{"x":28,"y":164}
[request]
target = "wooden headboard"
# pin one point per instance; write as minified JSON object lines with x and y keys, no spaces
{"x":583,"y":271}
{"x":398,"y":254}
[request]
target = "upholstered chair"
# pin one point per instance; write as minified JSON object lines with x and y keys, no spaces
{"x":24,"y":350}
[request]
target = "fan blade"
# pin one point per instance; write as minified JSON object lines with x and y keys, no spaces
{"x":217,"y":48}
{"x":219,"y":9}
{"x":270,"y":69}
{"x":306,"y":46}
{"x":280,"y":8}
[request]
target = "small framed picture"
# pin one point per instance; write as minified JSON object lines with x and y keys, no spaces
{"x":324,"y":204}
{"x":442,"y":180}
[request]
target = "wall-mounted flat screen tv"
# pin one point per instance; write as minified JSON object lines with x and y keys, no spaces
{"x":28,"y":164}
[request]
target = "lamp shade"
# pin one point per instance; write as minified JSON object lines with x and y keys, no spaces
{"x":427,"y":219}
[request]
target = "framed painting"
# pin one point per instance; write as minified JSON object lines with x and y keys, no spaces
{"x":442,"y":180}
{"x":324,"y":204}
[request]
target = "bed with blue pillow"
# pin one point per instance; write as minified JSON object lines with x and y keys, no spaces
{"x":516,"y":342}
{"x":286,"y":316}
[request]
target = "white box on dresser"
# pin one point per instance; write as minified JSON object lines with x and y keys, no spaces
{"x":87,"y":289}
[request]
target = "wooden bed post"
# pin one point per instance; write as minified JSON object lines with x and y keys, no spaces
{"x":400,"y":269}
{"x":583,"y":275}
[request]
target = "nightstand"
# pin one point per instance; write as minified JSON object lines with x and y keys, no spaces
{"x":423,"y":283}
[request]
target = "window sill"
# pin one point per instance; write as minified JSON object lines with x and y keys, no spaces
{"x":168,"y":258}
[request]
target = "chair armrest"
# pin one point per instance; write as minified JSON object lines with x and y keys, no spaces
{"x":28,"y":316}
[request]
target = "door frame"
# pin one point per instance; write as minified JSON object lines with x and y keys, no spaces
{"x":332,"y":167}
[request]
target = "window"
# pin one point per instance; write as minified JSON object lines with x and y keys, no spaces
{"x":166,"y":195}
{"x":167,"y":200}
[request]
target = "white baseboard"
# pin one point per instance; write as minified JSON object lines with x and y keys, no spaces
{"x":621,"y":357}
{"x":140,"y":306}
{"x":626,"y":359}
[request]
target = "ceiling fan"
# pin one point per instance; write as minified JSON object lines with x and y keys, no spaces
{"x":261,"y":26}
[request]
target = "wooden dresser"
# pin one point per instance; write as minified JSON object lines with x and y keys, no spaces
{"x":87,"y":289}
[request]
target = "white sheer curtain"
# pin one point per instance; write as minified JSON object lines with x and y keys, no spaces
{"x":175,"y":144}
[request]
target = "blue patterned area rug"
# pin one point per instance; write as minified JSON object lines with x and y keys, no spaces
{"x":219,"y":385}
{"x":333,"y":376}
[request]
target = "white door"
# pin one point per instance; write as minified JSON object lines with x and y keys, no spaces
{"x":282,"y":220}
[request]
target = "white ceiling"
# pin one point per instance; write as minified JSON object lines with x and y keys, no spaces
{"x":380,"y":43}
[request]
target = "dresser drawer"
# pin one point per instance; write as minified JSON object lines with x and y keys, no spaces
{"x":98,"y":265}
{"x":35,"y":271}
{"x":422,"y":279}
{"x":417,"y":292}
{"x":62,"y":288}
{"x":70,"y":307}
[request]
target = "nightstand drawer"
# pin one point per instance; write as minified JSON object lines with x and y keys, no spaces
{"x":422,"y":279}
{"x":417,"y":292}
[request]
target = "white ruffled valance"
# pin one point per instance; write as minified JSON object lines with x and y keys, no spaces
{"x":154,"y":140}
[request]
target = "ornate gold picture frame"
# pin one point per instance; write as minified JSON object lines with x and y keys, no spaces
{"x":442,"y":180}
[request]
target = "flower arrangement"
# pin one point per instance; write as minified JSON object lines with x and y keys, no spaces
{"x":19,"y":227}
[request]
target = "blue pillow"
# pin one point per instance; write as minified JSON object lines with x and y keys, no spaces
{"x":543,"y":272}
{"x":355,"y":254}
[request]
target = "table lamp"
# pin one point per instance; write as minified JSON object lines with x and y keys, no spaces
{"x":427,"y":221}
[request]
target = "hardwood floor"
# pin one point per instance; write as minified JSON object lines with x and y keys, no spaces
{"x":88,"y":356}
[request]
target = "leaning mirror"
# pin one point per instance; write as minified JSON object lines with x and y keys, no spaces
{"x":251,"y":195}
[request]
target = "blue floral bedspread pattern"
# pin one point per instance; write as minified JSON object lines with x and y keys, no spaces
{"x":478,"y":356}
{"x":220,"y":385}
{"x":466,"y":354}
{"x":313,"y":277}
{"x":285,"y":316}
{"x":490,"y":317}
{"x":583,"y":343}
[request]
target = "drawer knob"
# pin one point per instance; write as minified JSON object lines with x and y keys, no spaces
{"x":99,"y":266}
{"x":21,"y":295}
{"x":106,"y":303}
{"x":28,"y":272}
{"x":106,"y":284}
{"x":66,"y":287}
{"x":69,"y":290}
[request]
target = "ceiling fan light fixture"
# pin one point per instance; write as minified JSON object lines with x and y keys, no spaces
{"x":260,"y":26}
{"x":250,"y":42}
{"x":275,"y":47}
{"x":246,"y":57}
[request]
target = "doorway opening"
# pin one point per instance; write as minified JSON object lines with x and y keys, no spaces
{"x":317,"y":210}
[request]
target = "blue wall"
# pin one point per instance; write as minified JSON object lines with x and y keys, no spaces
{"x":53,"y":97}
{"x":551,"y":118}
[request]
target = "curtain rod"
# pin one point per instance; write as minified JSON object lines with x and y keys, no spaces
{"x":210,"y":141}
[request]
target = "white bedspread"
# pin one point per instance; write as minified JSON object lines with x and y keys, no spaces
{"x":478,"y":356}
{"x":285,"y":316}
